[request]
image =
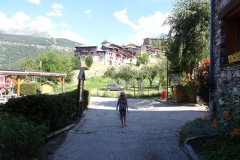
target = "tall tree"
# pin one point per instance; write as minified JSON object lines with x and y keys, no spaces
{"x":126,"y":73}
{"x":190,"y":33}
{"x":161,"y":69}
{"x":152,"y":73}
{"x":142,"y":58}
{"x":89,"y":60}
{"x":51,"y":62}
{"x":140,"y":75}
{"x":67,"y":66}
{"x":112,"y":73}
{"x":28,"y":64}
{"x":76,"y":63}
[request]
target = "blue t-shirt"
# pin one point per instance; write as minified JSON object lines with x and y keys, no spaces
{"x":122,"y":103}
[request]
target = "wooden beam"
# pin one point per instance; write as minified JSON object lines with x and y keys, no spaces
{"x":18,"y":86}
{"x":62,"y":84}
{"x":58,"y":131}
{"x":17,"y":83}
{"x":61,"y":79}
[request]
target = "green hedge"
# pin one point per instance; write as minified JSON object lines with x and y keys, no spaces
{"x":28,"y":88}
{"x":28,"y":119}
{"x":53,"y":111}
{"x":19,"y":138}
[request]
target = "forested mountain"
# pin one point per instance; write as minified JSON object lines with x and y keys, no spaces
{"x":15,"y":47}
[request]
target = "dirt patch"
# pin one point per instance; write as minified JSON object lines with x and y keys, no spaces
{"x":52,"y":144}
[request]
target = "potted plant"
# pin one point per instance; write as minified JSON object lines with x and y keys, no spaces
{"x":235,"y":56}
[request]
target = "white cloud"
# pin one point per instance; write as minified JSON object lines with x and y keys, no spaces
{"x":138,"y":37}
{"x":88,"y":12}
{"x":6,"y":23}
{"x":34,"y":1}
{"x":154,"y":23}
{"x":42,"y":23}
{"x":150,"y":26}
{"x":20,"y":20}
{"x":63,"y":24}
{"x":122,"y":17}
{"x":71,"y":36}
{"x":57,"y":10}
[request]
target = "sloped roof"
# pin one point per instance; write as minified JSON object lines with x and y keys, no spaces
{"x":9,"y":72}
{"x":48,"y":82}
{"x":105,"y":41}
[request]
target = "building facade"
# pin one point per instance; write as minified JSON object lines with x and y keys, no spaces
{"x":108,"y":55}
{"x":225,"y":33}
{"x":152,"y":41}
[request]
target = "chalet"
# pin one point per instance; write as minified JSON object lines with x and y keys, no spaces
{"x":225,"y":40}
{"x":109,"y":54}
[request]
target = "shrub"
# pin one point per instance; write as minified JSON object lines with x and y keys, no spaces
{"x":197,"y":127}
{"x":190,"y":90}
{"x":222,"y":147}
{"x":225,"y":122}
{"x":28,"y":88}
{"x":54,"y":111}
{"x":19,"y":138}
{"x":203,"y":84}
{"x":227,"y":114}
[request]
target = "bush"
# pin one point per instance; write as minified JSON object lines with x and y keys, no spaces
{"x":19,"y":138}
{"x":190,"y":90}
{"x":224,"y":123}
{"x":203,"y":84}
{"x":28,"y":88}
{"x":197,"y":127}
{"x":54,"y":111}
{"x":222,"y":147}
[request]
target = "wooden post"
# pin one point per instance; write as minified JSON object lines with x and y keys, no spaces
{"x":18,"y":86}
{"x":61,"y":79}
{"x":63,"y":88}
{"x":17,"y":83}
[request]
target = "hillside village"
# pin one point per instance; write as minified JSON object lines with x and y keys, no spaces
{"x":115,"y":55}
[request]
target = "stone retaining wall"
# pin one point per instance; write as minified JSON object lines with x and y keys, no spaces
{"x":221,"y":70}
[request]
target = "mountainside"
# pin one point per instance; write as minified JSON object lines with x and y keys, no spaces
{"x":25,"y":31}
{"x":15,"y":47}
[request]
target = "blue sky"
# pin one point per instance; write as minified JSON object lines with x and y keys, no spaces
{"x":90,"y":21}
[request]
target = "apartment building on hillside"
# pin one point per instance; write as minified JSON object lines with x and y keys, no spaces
{"x":108,"y":55}
{"x":151,"y":46}
{"x":152,"y":41}
{"x":82,"y":51}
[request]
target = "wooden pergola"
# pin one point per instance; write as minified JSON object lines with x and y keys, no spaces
{"x":15,"y":76}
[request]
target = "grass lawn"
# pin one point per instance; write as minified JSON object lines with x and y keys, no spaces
{"x":97,"y":84}
{"x":97,"y":87}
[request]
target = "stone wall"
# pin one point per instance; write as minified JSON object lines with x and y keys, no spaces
{"x":222,"y":70}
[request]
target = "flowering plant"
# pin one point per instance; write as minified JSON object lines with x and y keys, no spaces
{"x":236,"y":49}
{"x":227,"y":118}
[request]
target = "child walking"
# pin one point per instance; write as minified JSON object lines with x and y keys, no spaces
{"x":123,"y":107}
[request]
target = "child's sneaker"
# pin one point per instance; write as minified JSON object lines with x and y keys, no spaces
{"x":125,"y":124}
{"x":122,"y":125}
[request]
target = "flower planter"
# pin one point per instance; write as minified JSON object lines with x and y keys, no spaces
{"x":234,"y":57}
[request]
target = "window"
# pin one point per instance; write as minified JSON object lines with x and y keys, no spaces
{"x":238,"y":29}
{"x":230,"y":15}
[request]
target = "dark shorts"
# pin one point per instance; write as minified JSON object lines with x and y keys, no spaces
{"x":122,"y":113}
